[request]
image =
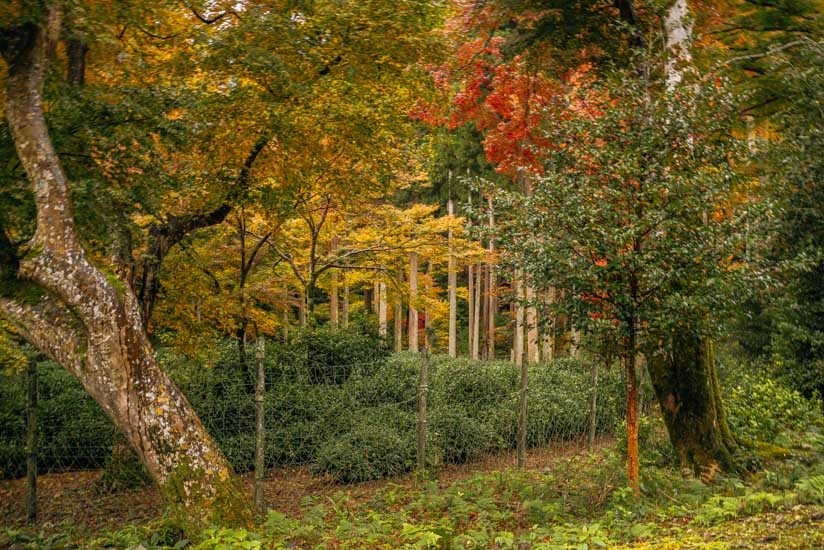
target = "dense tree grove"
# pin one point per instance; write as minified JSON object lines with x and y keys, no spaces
{"x":632,"y":184}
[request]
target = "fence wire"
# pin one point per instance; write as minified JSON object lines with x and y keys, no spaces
{"x":336,"y":424}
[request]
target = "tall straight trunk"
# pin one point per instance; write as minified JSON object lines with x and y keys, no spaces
{"x":302,"y":308}
{"x":427,"y":312}
{"x":548,"y":338}
{"x":493,"y":292}
{"x":484,"y":332}
{"x":382,"y":326}
{"x":398,"y":313}
{"x":452,"y":283}
{"x":470,"y":306}
{"x":476,"y":327}
{"x":686,"y":386}
{"x":333,"y":295}
{"x":533,"y":352}
{"x":345,"y":306}
{"x":518,"y":332}
{"x":285,"y":320}
{"x":91,"y":323}
{"x":413,"y":302}
{"x":31,"y":443}
{"x":368,"y":301}
{"x":398,"y":319}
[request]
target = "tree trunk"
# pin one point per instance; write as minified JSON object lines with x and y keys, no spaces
{"x":493,"y":293}
{"x":333,"y":297}
{"x":470,"y":305}
{"x":398,"y":312}
{"x":382,"y":317}
{"x":90,"y":323}
{"x":345,"y":307}
{"x":412,"y":329}
{"x":476,"y":326}
{"x":686,"y":385}
{"x":533,"y":352}
{"x":452,"y":283}
{"x":427,"y":311}
{"x":518,"y":333}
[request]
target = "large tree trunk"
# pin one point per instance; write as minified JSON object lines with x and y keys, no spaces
{"x":90,"y":322}
{"x":686,"y":385}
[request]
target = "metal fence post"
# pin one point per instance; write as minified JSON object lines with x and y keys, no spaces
{"x":260,"y":433}
{"x":423,"y":390}
{"x":522,"y":416}
{"x":31,"y":443}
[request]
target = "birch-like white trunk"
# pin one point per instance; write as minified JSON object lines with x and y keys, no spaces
{"x":452,"y":283}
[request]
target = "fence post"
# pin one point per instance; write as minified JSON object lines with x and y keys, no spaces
{"x":522,"y":417}
{"x":423,"y":390}
{"x":31,"y":443}
{"x":260,"y":433}
{"x":593,"y":406}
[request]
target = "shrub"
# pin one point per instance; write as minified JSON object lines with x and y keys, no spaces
{"x":761,"y":409}
{"x":381,"y":444}
{"x":74,"y":433}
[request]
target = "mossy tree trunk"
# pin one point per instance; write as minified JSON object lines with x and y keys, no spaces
{"x":90,"y":322}
{"x":686,"y":385}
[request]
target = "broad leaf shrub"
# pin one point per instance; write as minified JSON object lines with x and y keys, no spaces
{"x":74,"y":433}
{"x":351,"y":421}
{"x":761,"y":409}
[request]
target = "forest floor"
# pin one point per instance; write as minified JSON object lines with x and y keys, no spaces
{"x":568,"y":497}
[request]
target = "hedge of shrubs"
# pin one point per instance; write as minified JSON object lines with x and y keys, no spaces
{"x":337,"y":401}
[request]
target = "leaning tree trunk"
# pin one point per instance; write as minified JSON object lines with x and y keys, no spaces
{"x":686,"y":385}
{"x":90,"y":322}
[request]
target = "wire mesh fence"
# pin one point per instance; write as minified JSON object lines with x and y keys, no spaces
{"x":336,"y":423}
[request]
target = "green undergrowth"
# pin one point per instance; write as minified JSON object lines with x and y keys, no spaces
{"x":575,"y":502}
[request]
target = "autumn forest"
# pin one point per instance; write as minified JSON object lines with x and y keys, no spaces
{"x":411,"y":274}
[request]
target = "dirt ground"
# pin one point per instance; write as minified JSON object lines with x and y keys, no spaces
{"x":74,"y":498}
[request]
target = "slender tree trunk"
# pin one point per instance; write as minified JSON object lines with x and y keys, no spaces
{"x":518,"y":333}
{"x":484,"y":332}
{"x":493,"y":292}
{"x":31,"y":443}
{"x":286,"y":316}
{"x":333,"y":296}
{"x":398,"y":313}
{"x":91,"y":324}
{"x":427,"y":311}
{"x":413,"y":302}
{"x":533,"y":352}
{"x":548,"y":338}
{"x":470,"y":305}
{"x":345,"y":307}
{"x":382,"y":325}
{"x":476,"y":327}
{"x":452,"y":283}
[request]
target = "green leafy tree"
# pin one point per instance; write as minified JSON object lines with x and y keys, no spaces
{"x":635,"y":221}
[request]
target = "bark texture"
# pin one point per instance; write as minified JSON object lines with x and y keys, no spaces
{"x":90,"y":322}
{"x":686,"y":385}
